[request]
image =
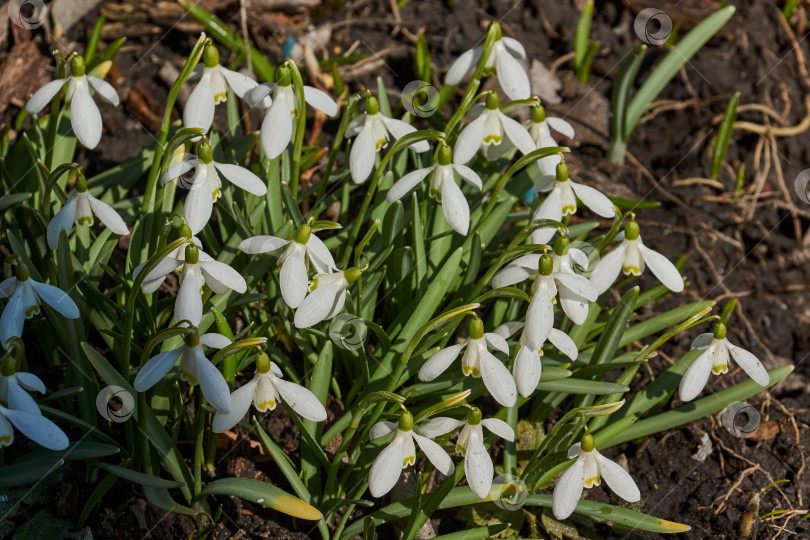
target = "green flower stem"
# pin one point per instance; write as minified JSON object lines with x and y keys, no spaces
{"x":199,"y":436}
{"x":56,"y":109}
{"x":348,"y":113}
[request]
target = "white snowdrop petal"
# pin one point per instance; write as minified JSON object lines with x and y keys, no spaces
{"x":561,"y":126}
{"x":564,"y":343}
{"x":663,"y":269}
{"x":37,"y":428}
{"x":105,"y":90}
{"x":386,"y":469}
{"x":107,"y":215}
{"x":239,"y":83}
{"x":469,"y":140}
{"x":551,"y":209}
{"x":155,"y":369}
{"x":696,"y":376}
{"x":20,"y":400}
{"x":438,"y":426}
{"x":497,"y":342}
{"x":462,"y":66}
{"x":508,"y":328}
{"x":355,"y":125}
{"x":57,"y":299}
{"x":499,"y":428}
{"x":579,"y":258}
{"x":44,"y":96}
{"x":214,"y":340}
{"x":512,"y":77}
{"x":568,"y":490}
{"x":13,"y":318}
{"x":527,"y":370}
{"x":317,"y":305}
{"x":498,"y":380}
{"x":381,"y":429}
{"x":363,"y":154}
{"x":577,"y":284}
{"x":85,"y":117}
{"x":62,"y":221}
{"x":199,"y":110}
{"x":165,"y":266}
{"x":517,"y":133}
{"x":594,"y":199}
{"x":242,"y":178}
{"x":199,"y":205}
{"x":320,"y":256}
{"x":435,"y":454}
{"x":514,"y":47}
{"x":703,"y":341}
{"x":574,"y":450}
{"x":478,"y":466}
{"x":177,"y":170}
{"x":213,"y":384}
{"x":240,"y":404}
{"x":398,"y":129}
{"x":301,"y":400}
{"x":31,"y":382}
{"x":188,"y":304}
{"x":259,"y":96}
{"x":220,"y":276}
{"x":469,"y":175}
{"x":539,"y":320}
{"x":320,"y":100}
{"x":750,"y":364}
{"x":439,"y":362}
{"x":516,"y":271}
{"x":618,"y":479}
{"x":262,"y":244}
{"x":277,"y":129}
{"x":293,"y":279}
{"x":455,"y":208}
{"x":405,"y":184}
{"x":7,"y":287}
{"x":608,"y":269}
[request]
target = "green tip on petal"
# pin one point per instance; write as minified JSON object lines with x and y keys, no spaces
{"x":538,"y":114}
{"x":192,"y":339}
{"x":546,"y":265}
{"x":445,"y":155}
{"x":476,"y":328}
{"x":474,"y":416}
{"x":22,"y":273}
{"x":205,"y":153}
{"x":262,"y":362}
{"x":562,"y":171}
{"x":352,"y":274}
{"x":284,"y":76}
{"x":185,"y":231}
{"x":587,"y":443}
{"x":405,"y":421}
{"x":720,"y":331}
{"x":211,"y":56}
{"x":77,"y":66}
{"x":561,"y":245}
{"x":493,"y":101}
{"x":495,"y":27}
{"x":302,"y":234}
{"x":8,"y":367}
{"x":192,"y":254}
{"x":372,"y":106}
{"x":81,"y":183}
{"x":631,"y":230}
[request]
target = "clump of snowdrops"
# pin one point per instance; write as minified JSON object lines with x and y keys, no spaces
{"x":410,"y":330}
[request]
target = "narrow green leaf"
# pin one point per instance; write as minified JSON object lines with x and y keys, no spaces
{"x":139,"y":477}
{"x":265,"y":494}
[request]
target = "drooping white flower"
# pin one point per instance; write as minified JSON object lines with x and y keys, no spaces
{"x":34,"y":426}
{"x":504,"y":59}
{"x":528,"y":367}
{"x":443,"y":188}
{"x":280,"y":100}
{"x":85,"y":117}
{"x":630,"y":257}
{"x":293,"y":276}
{"x":198,"y":269}
{"x":205,"y":187}
{"x":13,"y":386}
{"x":477,"y":362}
{"x":195,"y":368}
{"x":586,"y":472}
{"x":171,"y":263}
{"x":212,"y":89}
{"x":265,"y":390}
{"x":25,"y":295}
{"x":478,"y":467}
{"x":490,"y":129}
{"x":553,"y":277}
{"x":562,"y":201}
{"x":715,"y":359}
{"x":401,"y":452}
{"x":79,"y":209}
{"x":372,"y":130}
{"x":326,"y":298}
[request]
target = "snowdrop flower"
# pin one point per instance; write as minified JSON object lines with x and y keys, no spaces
{"x":715,"y":360}
{"x":79,"y":209}
{"x":491,"y":128}
{"x":528,"y":367}
{"x":280,"y":100}
{"x":372,"y":130}
{"x":540,"y":131}
{"x":212,"y":89}
{"x":34,"y":426}
{"x":206,"y":186}
{"x":198,"y":269}
{"x":630,"y":256}
{"x":503,"y":59}
{"x":401,"y":452}
{"x":85,"y":117}
{"x":195,"y":368}
{"x":477,"y":362}
{"x":478,"y":467}
{"x":562,"y":201}
{"x":575,"y":291}
{"x":586,"y":472}
{"x":293,"y":274}
{"x":13,"y":386}
{"x":327,"y":297}
{"x":266,"y":390}
{"x":171,"y":263}
{"x":25,"y":296}
{"x":443,"y":188}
